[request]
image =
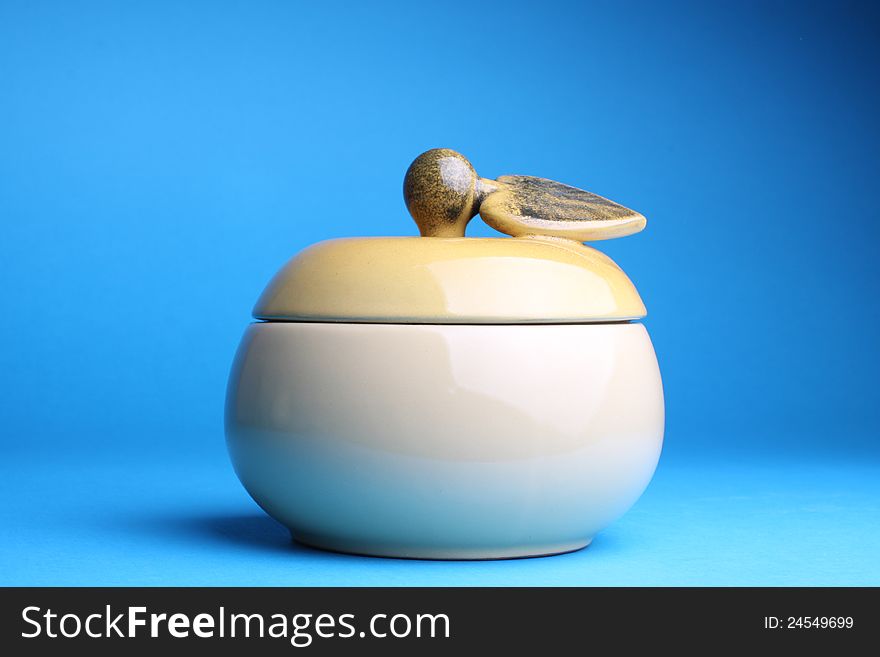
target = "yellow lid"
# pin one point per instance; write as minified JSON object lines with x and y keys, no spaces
{"x":450,"y":280}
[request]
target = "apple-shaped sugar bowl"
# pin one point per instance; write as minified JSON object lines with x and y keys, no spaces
{"x":449,"y":397}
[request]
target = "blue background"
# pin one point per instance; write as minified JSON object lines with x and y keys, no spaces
{"x":159,"y":161}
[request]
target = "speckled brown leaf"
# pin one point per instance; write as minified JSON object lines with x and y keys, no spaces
{"x":525,"y":205}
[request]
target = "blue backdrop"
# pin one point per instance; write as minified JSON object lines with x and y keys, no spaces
{"x":159,"y":161}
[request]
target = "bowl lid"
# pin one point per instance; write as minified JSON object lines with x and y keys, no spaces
{"x":450,"y":280}
{"x":542,"y":273}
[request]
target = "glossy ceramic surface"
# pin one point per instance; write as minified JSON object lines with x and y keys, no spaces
{"x":445,"y":441}
{"x":450,"y":280}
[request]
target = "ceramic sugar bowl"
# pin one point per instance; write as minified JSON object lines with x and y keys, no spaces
{"x":451,"y":397}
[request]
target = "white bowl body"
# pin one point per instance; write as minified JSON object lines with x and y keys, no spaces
{"x":445,"y":441}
